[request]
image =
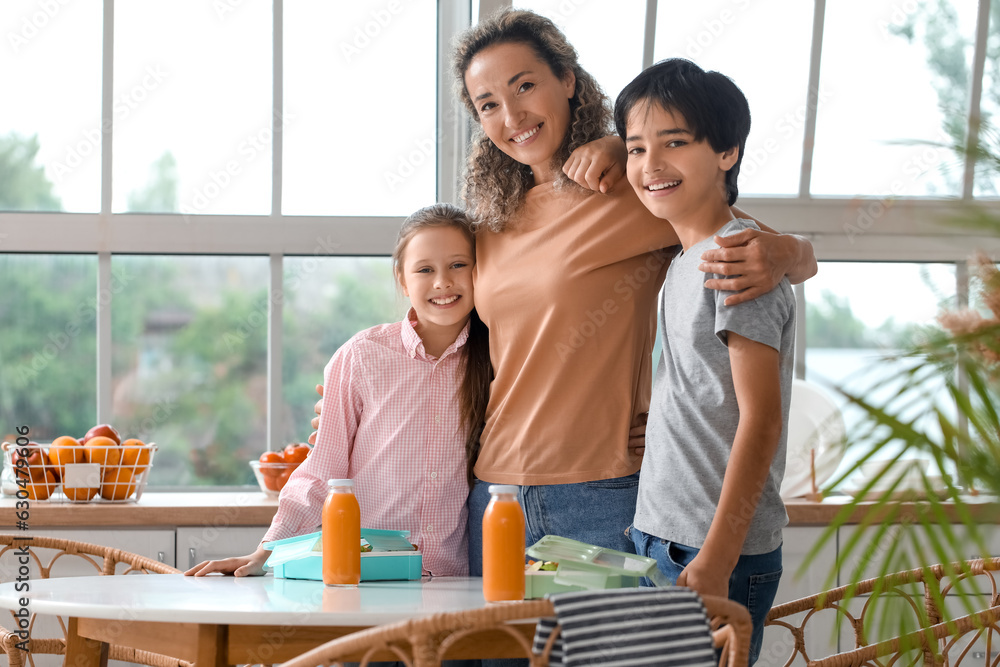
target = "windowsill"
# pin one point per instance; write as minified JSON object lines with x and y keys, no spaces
{"x":187,"y":508}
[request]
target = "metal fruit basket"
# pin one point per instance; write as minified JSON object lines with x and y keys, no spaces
{"x":121,"y":477}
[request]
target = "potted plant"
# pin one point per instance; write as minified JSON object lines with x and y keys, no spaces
{"x":912,"y":515}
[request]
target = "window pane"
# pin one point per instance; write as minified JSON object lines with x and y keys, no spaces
{"x":360,"y":107}
{"x":192,"y":107}
{"x":189,"y":363}
{"x":896,"y":86}
{"x":745,"y":42}
{"x":856,"y":314}
{"x":50,"y":146}
{"x":327,"y":300}
{"x":987,"y":182}
{"x":609,"y":42}
{"x":48,"y":351}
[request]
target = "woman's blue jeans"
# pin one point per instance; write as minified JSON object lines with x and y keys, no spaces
{"x":592,"y":512}
{"x":753,"y":584}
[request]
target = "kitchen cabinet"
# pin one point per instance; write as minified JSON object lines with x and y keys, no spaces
{"x":198,"y":543}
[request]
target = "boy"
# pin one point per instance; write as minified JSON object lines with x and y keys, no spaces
{"x":708,"y":510}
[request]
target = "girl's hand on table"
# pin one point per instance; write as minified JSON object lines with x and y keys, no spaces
{"x":705,"y":578}
{"x":240,"y":566}
{"x":597,"y":165}
{"x":757,"y":259}
{"x":318,"y":408}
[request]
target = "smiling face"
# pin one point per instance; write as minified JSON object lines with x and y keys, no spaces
{"x":522,"y":105}
{"x":436,"y":274}
{"x":677,"y":178}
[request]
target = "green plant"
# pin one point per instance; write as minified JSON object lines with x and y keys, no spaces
{"x":938,"y":521}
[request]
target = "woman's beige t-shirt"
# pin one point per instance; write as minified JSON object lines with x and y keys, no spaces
{"x":568,"y":292}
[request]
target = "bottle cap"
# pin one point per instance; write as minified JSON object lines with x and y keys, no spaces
{"x":340,"y":482}
{"x":502,"y":488}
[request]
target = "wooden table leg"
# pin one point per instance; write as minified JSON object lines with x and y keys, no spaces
{"x":211,"y":646}
{"x":82,"y":652}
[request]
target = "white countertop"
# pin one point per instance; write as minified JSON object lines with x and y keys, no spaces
{"x":244,"y":600}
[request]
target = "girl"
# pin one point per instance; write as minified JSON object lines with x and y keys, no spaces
{"x":403,"y":407}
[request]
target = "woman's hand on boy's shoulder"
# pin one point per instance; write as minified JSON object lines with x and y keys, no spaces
{"x":756,"y":260}
{"x":597,"y":165}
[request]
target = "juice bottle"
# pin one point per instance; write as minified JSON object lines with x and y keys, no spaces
{"x":341,"y":535}
{"x":503,"y":546}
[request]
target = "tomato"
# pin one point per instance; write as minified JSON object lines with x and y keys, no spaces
{"x":272,"y":457}
{"x":282,"y":479}
{"x":295,"y":453}
{"x":272,"y":465}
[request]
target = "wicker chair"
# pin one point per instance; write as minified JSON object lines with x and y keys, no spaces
{"x":940,"y":640}
{"x":46,"y":552}
{"x":424,"y":641}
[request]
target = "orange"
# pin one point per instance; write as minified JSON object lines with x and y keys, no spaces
{"x":80,"y":494}
{"x":105,"y":451}
{"x":65,"y":450}
{"x":117,"y":484}
{"x":42,"y":488}
{"x":136,"y":455}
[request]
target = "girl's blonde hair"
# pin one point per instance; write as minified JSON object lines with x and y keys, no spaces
{"x":477,"y":371}
{"x":496,"y":184}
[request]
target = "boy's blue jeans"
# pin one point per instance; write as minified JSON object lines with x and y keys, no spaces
{"x":753,"y":584}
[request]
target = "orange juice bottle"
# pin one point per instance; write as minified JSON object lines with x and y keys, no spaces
{"x":503,"y":546}
{"x":341,"y":535}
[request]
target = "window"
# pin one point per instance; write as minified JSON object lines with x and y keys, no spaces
{"x":192,"y":108}
{"x":743,"y":41}
{"x":189,"y":371}
{"x":858,"y":314}
{"x":360,"y":118}
{"x":53,"y":143}
{"x":327,"y":300}
{"x":885,"y":129}
{"x":254,"y":172}
{"x":48,"y":353}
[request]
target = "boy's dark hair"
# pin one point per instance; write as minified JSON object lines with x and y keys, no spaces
{"x":713,"y":106}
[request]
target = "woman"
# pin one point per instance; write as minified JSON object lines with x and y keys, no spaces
{"x":566,"y":280}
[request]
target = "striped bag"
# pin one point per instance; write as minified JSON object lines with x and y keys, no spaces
{"x":629,"y":626}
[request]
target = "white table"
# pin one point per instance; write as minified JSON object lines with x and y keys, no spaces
{"x":217,"y":620}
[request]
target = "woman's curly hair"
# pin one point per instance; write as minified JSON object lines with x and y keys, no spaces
{"x":496,"y":184}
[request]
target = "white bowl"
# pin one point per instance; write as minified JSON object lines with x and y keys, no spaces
{"x":271,"y":477}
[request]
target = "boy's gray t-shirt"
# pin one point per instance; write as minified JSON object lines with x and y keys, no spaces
{"x":693,"y":413}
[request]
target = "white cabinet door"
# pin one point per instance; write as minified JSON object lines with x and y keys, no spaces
{"x":157,"y":544}
{"x":796,"y":583}
{"x":198,"y":543}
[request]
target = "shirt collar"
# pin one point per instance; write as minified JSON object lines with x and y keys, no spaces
{"x":415,"y":347}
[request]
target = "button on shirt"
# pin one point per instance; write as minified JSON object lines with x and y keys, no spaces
{"x":391,"y":422}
